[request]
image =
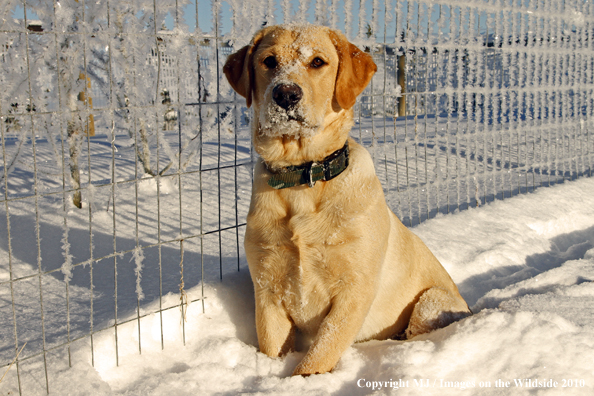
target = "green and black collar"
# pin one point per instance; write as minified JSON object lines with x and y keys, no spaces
{"x":309,"y":173}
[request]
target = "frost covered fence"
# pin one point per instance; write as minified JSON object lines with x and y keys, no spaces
{"x":496,"y":100}
{"x":102,"y":232}
{"x":115,"y":232}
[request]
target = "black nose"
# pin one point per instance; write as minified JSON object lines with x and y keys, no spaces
{"x":287,"y":95}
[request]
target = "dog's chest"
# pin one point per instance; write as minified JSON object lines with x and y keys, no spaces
{"x":305,"y":258}
{"x":306,"y":294}
{"x":306,"y":297}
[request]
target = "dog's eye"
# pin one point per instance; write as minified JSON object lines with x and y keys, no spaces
{"x":270,"y":62}
{"x":317,"y":62}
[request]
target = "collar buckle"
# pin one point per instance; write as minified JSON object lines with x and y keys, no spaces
{"x":309,"y":175}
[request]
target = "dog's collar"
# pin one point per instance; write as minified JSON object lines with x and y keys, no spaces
{"x":309,"y":173}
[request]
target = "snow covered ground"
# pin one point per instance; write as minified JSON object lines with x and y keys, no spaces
{"x":525,"y":265}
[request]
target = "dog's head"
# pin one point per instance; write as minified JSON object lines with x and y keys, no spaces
{"x":298,"y":78}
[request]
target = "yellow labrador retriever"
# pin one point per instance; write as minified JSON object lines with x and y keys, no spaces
{"x":325,"y":253}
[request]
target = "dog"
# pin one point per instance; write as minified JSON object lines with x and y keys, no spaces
{"x":326,"y":255}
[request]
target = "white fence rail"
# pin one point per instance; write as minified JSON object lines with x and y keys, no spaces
{"x":126,"y":162}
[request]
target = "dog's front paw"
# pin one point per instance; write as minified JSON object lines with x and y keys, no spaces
{"x":305,"y":370}
{"x":300,"y":370}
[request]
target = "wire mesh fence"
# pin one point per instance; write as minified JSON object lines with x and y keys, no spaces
{"x":126,"y":157}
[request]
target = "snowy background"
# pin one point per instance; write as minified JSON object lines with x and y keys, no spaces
{"x":475,"y":106}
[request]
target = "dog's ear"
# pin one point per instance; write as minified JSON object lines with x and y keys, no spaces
{"x":239,"y":68}
{"x":355,"y":69}
{"x":238,"y":71}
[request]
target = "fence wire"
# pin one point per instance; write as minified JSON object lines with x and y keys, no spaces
{"x":126,"y":157}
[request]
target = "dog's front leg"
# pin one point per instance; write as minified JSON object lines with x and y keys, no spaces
{"x":336,"y":333}
{"x":276,"y":331}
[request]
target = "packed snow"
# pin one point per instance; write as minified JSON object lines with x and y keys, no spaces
{"x":525,"y":265}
